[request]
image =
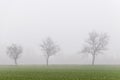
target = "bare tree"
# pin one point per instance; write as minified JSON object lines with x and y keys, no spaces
{"x":49,"y":48}
{"x":14,"y":52}
{"x":95,"y":44}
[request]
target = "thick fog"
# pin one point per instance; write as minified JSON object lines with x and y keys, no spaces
{"x":67,"y":22}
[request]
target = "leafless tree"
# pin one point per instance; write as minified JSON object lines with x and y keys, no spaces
{"x":14,"y":52}
{"x":95,"y":44}
{"x":49,"y":48}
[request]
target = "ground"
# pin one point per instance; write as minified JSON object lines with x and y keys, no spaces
{"x":61,"y":72}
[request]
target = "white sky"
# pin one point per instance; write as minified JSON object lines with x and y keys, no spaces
{"x":68,"y":22}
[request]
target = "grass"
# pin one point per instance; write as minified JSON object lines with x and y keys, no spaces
{"x":60,"y":72}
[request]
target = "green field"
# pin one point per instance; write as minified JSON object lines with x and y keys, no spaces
{"x":68,"y":72}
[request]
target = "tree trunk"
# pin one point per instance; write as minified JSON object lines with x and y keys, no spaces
{"x":15,"y":61}
{"x":93,"y":59}
{"x":47,"y":61}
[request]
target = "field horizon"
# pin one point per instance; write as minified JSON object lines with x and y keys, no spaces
{"x":57,"y":72}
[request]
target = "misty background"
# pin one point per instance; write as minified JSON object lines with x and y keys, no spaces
{"x":67,"y":22}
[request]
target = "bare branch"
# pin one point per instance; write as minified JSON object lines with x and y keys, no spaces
{"x":14,"y":52}
{"x":95,"y":44}
{"x":49,"y":48}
